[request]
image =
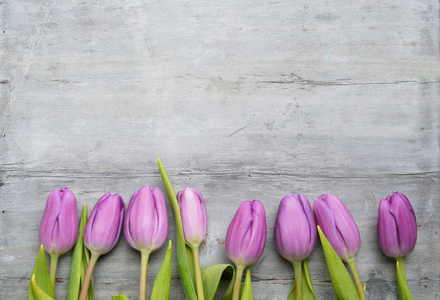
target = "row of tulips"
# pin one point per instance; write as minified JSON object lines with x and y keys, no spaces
{"x":295,"y":235}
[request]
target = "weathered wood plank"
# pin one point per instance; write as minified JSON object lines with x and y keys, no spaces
{"x":241,"y":100}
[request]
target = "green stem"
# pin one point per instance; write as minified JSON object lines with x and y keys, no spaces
{"x":401,"y":261}
{"x":357,"y":279}
{"x":237,"y":283}
{"x":402,"y":283}
{"x":198,"y":273}
{"x":53,"y":268}
{"x":297,"y":267}
{"x":143,"y":281}
{"x":88,"y":276}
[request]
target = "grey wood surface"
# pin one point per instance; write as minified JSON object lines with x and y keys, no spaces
{"x":241,"y":100}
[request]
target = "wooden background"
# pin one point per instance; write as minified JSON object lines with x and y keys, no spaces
{"x":240,"y":99}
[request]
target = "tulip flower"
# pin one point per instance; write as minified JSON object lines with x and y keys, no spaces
{"x":397,"y":231}
{"x":246,"y":238}
{"x":194,"y":224}
{"x":146,"y":227}
{"x":341,"y":230}
{"x":59,"y":226}
{"x":193,"y":212}
{"x":396,"y":226}
{"x":338,"y":226}
{"x":295,"y":229}
{"x":295,"y":233}
{"x":102,"y":231}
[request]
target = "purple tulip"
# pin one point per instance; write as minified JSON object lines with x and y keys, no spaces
{"x":338,"y":226}
{"x":146,"y":222}
{"x":59,"y":226}
{"x":295,"y":229}
{"x":246,"y":236}
{"x":193,"y":212}
{"x":105,"y":223}
{"x":396,"y":226}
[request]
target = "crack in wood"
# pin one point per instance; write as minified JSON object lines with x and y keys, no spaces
{"x":238,"y":130}
{"x":130,"y":174}
{"x":338,"y":83}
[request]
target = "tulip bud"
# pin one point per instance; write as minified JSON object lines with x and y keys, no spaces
{"x":396,"y":226}
{"x":246,"y":236}
{"x":146,"y":222}
{"x":338,"y":226}
{"x":59,"y":226}
{"x":105,"y":223}
{"x":295,"y":229}
{"x":193,"y":213}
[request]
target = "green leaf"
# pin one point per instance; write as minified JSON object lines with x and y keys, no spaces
{"x":342,"y":284}
{"x":38,"y":292}
{"x":42,"y":278}
{"x":213,"y":275}
{"x":120,"y":297}
{"x":246,"y":293}
{"x":308,"y":292}
{"x":306,"y":273}
{"x":80,"y":261}
{"x":229,"y":272}
{"x":162,"y":283}
{"x":182,"y":260}
{"x":404,"y":293}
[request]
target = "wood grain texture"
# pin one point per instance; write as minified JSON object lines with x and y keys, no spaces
{"x":241,"y":100}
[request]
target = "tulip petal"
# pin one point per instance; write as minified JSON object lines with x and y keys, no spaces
{"x":396,"y":226}
{"x":246,"y":235}
{"x":338,"y":225}
{"x":50,"y":216}
{"x":258,"y":238}
{"x":295,"y":229}
{"x":59,"y":225}
{"x":121,"y":223}
{"x":387,"y":230}
{"x":237,"y":231}
{"x":140,"y":220}
{"x":325,"y":218}
{"x":146,"y":222}
{"x":161,"y":225}
{"x":67,"y":225}
{"x":190,"y":211}
{"x":307,"y":208}
{"x":406,"y":224}
{"x":105,"y":224}
{"x":193,"y":212}
{"x":406,"y":201}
